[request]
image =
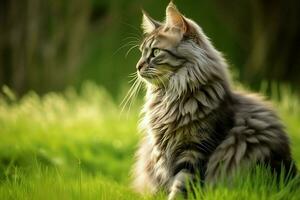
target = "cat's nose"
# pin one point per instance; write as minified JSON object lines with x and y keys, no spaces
{"x":140,"y":65}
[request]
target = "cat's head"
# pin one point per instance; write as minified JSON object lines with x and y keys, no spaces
{"x":176,"y":53}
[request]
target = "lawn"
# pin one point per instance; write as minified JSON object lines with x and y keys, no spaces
{"x":77,"y":145}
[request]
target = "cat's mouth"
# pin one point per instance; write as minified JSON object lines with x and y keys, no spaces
{"x":147,"y":75}
{"x":157,"y":79}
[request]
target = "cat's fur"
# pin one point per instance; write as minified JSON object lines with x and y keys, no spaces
{"x":193,"y":122}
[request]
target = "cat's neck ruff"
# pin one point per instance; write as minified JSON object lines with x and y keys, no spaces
{"x":168,"y":107}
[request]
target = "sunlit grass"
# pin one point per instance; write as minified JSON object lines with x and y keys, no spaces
{"x":77,"y":145}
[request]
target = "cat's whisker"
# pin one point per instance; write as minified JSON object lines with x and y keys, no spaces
{"x":125,"y":45}
{"x":123,"y":103}
{"x":130,"y":50}
{"x":133,"y":79}
{"x":135,"y":95}
{"x":136,"y":35}
{"x":131,"y":26}
{"x":133,"y":75}
{"x":132,"y":37}
{"x":129,"y":98}
{"x":132,"y":40}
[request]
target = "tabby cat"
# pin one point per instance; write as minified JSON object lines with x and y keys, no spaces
{"x":194,"y":124}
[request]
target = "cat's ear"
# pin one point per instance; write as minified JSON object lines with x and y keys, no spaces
{"x":186,"y":26}
{"x":148,"y":23}
{"x":174,"y":18}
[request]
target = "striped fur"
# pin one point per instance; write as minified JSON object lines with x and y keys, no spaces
{"x":194,"y":124}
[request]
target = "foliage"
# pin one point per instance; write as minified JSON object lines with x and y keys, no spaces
{"x":46,"y":45}
{"x":41,"y":43}
{"x":77,"y":145}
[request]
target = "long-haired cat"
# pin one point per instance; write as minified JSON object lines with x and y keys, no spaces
{"x":194,"y":124}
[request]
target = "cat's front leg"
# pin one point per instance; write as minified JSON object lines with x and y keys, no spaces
{"x":188,"y":166}
{"x":179,"y":184}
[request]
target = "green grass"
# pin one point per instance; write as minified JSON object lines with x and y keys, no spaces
{"x":77,"y":145}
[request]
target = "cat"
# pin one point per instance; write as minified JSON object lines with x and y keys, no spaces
{"x":194,"y":123}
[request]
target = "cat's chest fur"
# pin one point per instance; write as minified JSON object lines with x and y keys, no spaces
{"x":180,"y":129}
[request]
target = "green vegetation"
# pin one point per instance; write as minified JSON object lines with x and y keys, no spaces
{"x":77,"y":145}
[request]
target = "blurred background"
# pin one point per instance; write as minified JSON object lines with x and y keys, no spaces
{"x":46,"y":45}
{"x":64,"y":67}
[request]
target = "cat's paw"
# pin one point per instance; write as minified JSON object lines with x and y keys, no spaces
{"x":176,"y":195}
{"x":172,"y":195}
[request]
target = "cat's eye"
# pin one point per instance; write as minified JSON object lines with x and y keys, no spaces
{"x":155,"y":52}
